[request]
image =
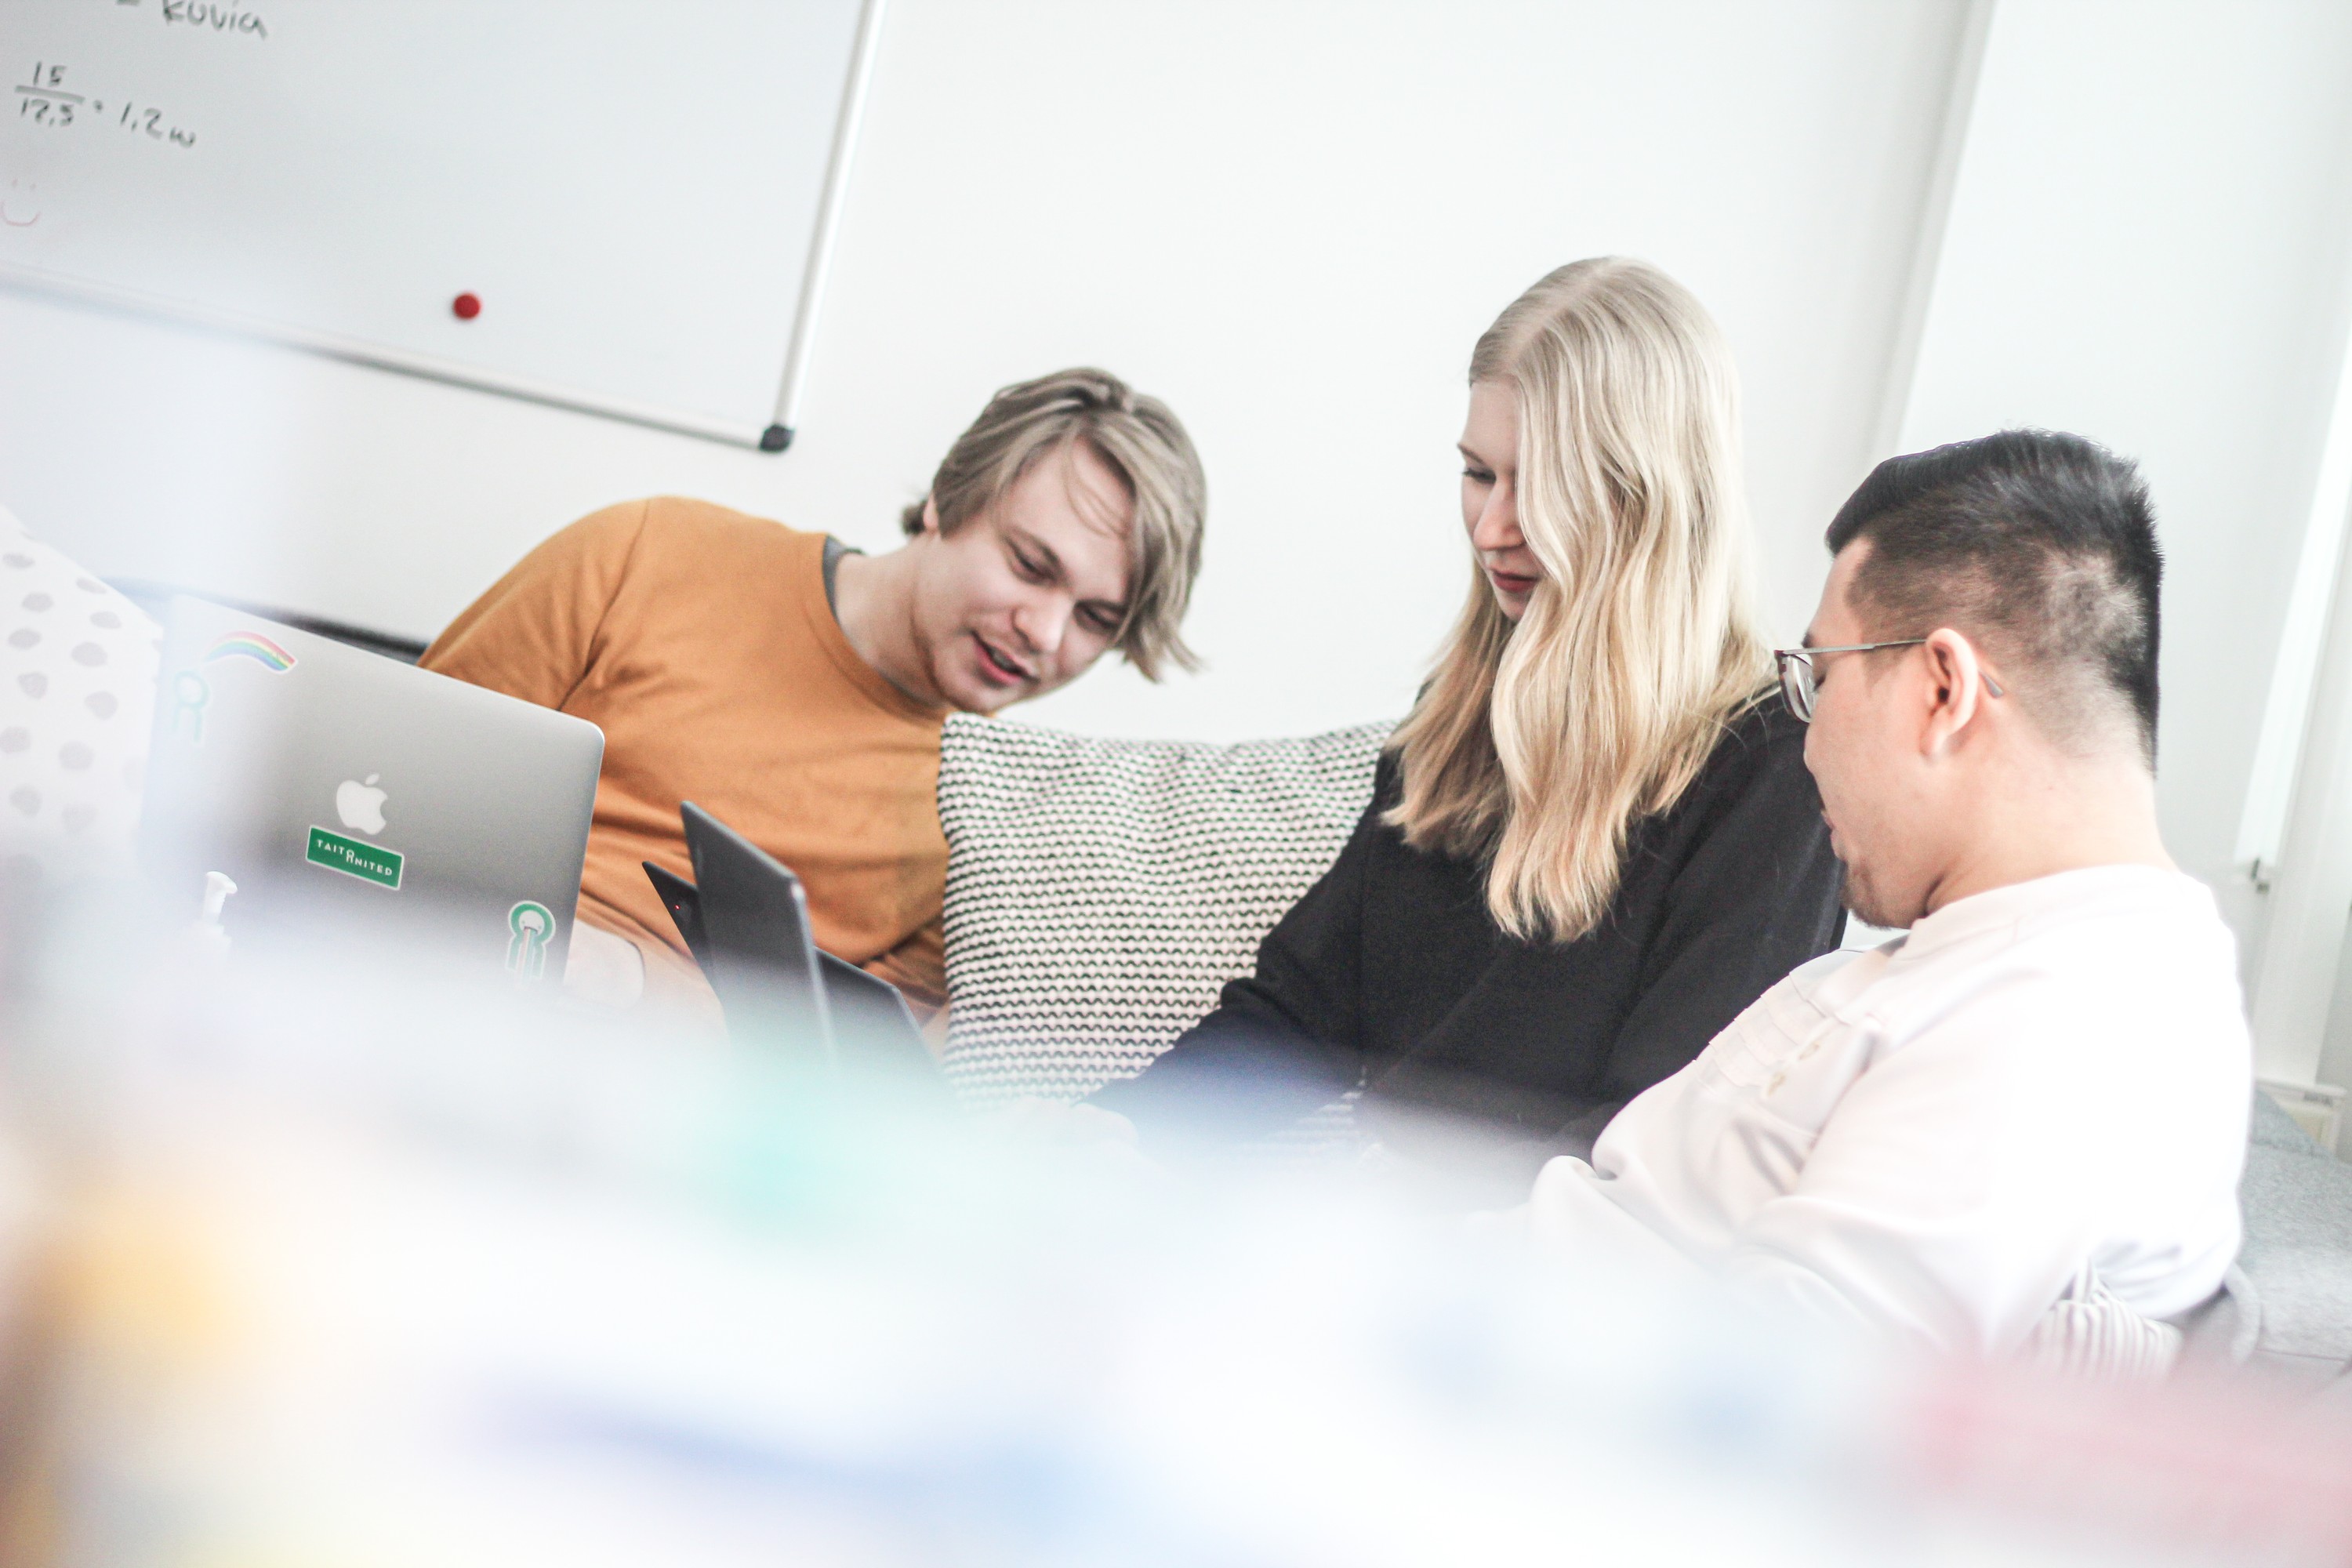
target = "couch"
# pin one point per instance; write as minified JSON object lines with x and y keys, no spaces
{"x":1099,"y":891}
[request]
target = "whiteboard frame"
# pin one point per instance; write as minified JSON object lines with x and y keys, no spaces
{"x":774,"y":436}
{"x":779,"y":434}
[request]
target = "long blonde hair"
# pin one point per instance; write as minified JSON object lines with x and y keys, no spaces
{"x":1539,"y":746}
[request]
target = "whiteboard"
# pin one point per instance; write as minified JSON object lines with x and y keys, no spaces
{"x":624,"y":208}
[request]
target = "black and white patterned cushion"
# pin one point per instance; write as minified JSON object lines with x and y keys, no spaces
{"x":1101,"y":891}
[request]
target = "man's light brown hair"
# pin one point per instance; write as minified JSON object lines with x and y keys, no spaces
{"x":1142,"y":442}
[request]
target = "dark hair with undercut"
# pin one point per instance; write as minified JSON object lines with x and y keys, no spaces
{"x":2037,"y":545}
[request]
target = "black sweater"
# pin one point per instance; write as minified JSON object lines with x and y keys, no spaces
{"x":1390,"y":976}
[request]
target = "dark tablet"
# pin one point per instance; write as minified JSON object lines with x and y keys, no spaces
{"x":685,"y":906}
{"x":745,"y":920}
{"x":755,"y":931}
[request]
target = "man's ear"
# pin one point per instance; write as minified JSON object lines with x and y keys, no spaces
{"x":1957,"y":686}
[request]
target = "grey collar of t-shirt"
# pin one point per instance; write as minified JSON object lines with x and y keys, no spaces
{"x":834,"y":551}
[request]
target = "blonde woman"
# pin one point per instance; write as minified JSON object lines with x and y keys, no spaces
{"x":1592,"y":842}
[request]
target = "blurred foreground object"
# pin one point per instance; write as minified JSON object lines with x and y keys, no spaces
{"x":77,"y":698}
{"x":336,"y":1267}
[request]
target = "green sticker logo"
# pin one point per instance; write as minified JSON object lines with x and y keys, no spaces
{"x":353,"y":858}
{"x":534,"y":925}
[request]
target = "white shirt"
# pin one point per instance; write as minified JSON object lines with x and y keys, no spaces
{"x":1934,"y":1137}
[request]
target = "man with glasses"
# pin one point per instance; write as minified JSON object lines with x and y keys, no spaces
{"x":2020,"y":1125}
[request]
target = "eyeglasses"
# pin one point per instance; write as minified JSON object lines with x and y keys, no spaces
{"x":1800,"y":683}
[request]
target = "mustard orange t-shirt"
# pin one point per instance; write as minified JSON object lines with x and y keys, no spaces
{"x":699,"y":640}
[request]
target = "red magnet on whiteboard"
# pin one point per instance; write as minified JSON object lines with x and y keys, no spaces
{"x":466,"y":306}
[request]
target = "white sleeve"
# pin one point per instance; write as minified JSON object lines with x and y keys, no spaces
{"x":1959,"y":1183}
{"x":1571,"y":1213}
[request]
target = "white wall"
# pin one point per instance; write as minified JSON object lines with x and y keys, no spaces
{"x":2148,"y":244}
{"x":1292,"y":220}
{"x":1289,"y":220}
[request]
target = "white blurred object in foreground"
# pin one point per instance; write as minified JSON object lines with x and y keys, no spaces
{"x":341,"y":1267}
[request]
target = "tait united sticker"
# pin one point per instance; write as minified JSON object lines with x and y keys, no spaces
{"x":354,"y":858}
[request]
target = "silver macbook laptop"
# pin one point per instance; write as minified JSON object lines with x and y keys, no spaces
{"x":346,"y":793}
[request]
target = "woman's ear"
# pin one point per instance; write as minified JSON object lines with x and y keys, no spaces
{"x":930,"y":517}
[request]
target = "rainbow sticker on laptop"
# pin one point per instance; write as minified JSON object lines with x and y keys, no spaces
{"x":252,"y":645}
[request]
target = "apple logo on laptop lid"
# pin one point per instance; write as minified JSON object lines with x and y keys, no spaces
{"x":361,"y":805}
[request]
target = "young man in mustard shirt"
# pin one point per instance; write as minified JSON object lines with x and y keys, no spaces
{"x":795,"y":688}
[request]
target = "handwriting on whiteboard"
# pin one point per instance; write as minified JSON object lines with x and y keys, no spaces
{"x":49,"y":99}
{"x":219,"y":18}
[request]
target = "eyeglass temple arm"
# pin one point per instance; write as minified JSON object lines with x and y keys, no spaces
{"x":1804,"y":656}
